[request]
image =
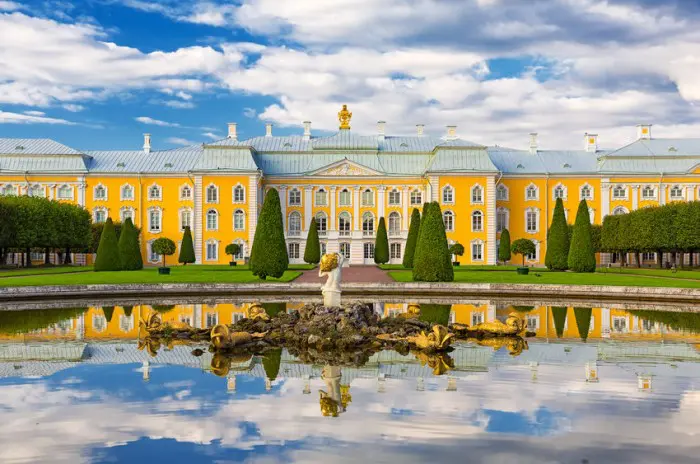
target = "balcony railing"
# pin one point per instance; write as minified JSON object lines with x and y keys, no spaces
{"x":294,"y":232}
{"x":344,"y":233}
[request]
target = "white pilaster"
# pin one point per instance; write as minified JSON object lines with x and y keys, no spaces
{"x":252,"y":210}
{"x":433,"y":188}
{"x":356,"y":207}
{"x":605,"y":322}
{"x":405,"y":198}
{"x":198,"y":226}
{"x":51,"y":189}
{"x":690,"y":192}
{"x":381,"y":202}
{"x":283,"y":207}
{"x":332,"y":220}
{"x":82,"y":186}
{"x":491,"y":313}
{"x":308,"y":190}
{"x":491,"y":220}
{"x":662,"y":194}
{"x":635,"y":197}
{"x":604,"y":201}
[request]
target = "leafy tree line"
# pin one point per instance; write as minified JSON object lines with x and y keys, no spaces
{"x":672,"y":228}
{"x":38,"y":223}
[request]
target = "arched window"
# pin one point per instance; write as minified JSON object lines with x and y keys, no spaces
{"x":127,"y":192}
{"x":65,"y":192}
{"x":367,"y":224}
{"x":238,"y":220}
{"x":502,"y":192}
{"x":321,"y":197}
{"x":501,"y":219}
{"x":238,"y":194}
{"x":294,"y":223}
{"x":676,"y":192}
{"x":321,"y":223}
{"x":185,"y":192}
{"x":586,"y":192}
{"x":532,"y":220}
{"x":212,"y":219}
{"x":344,"y":224}
{"x":477,"y":221}
{"x":345,"y":198}
{"x":154,"y":192}
{"x":100,"y":192}
{"x":619,"y":192}
{"x":154,"y":220}
{"x":416,"y":197}
{"x":294,"y":197}
{"x":448,"y":194}
{"x":99,"y":215}
{"x":394,"y":223}
{"x":212,"y":250}
{"x":534,"y":256}
{"x":477,"y":195}
{"x":449,"y":219}
{"x":125,"y":213}
{"x":620,"y":210}
{"x":559,"y":192}
{"x":37,"y":191}
{"x":9,"y":190}
{"x":212,"y":194}
{"x":394,"y":197}
{"x":477,"y":250}
{"x":185,"y":218}
{"x":368,"y":198}
{"x":648,"y":192}
{"x":531,"y":192}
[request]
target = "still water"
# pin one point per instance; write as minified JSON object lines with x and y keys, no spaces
{"x":594,"y":384}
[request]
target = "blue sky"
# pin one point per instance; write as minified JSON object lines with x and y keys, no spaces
{"x":99,"y":73}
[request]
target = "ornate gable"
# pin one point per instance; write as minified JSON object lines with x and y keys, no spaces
{"x":345,"y":168}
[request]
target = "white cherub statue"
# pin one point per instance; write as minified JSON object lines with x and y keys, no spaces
{"x":331,"y":265}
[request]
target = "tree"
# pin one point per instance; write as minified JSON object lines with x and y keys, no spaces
{"x":523,"y":246}
{"x":435,"y":313}
{"x":583,"y":321}
{"x":381,"y":244}
{"x":504,"y":247}
{"x":232,"y":249}
{"x":108,"y":312}
{"x":273,"y":309}
{"x":312,"y":252}
{"x":269,"y":254}
{"x":457,"y":249}
{"x":559,"y":316}
{"x":187,"y":255}
{"x":582,"y":252}
{"x":271,"y":362}
{"x":164,"y":247}
{"x":557,"y":254}
{"x":431,"y":262}
{"x":413,"y":231}
{"x":108,"y":250}
{"x":129,"y":248}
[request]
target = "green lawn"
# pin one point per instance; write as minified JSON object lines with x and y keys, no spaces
{"x":537,"y":276}
{"x":245,"y":267}
{"x":684,"y":274}
{"x":40,"y":270}
{"x":464,"y":267}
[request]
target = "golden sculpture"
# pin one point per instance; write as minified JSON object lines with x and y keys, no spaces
{"x":221,"y":337}
{"x":329,"y":262}
{"x":152,"y":323}
{"x":413,"y":312}
{"x":257,"y":311}
{"x":329,"y":406}
{"x":440,"y":363}
{"x":345,"y":396}
{"x":221,"y":364}
{"x":514,"y":345}
{"x":344,"y":116}
{"x":438,"y":339}
{"x":514,"y":325}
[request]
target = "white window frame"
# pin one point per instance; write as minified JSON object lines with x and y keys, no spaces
{"x":536,"y":211}
{"x":321,"y":194}
{"x":15,"y":190}
{"x":291,"y":220}
{"x":349,"y":196}
{"x":619,"y":211}
{"x":447,"y":195}
{"x":211,"y":243}
{"x":207,"y":217}
{"x":449,"y":224}
{"x":416,"y":193}
{"x":122,"y":197}
{"x":477,"y":214}
{"x":472,"y":248}
{"x":125,"y":209}
{"x":342,"y":215}
{"x":322,"y":232}
{"x":564,"y":193}
{"x":502,"y":192}
{"x":590,"y":190}
{"x":394,"y":229}
{"x":368,"y":217}
{"x":367,"y":197}
{"x":151,"y":255}
{"x":240,"y":213}
{"x":32,"y":188}
{"x":478,"y":201}
{"x":70,"y":189}
{"x":294,"y":194}
{"x":397,"y":194}
{"x":679,"y":197}
{"x":238,"y":189}
{"x":99,"y":209}
{"x":591,"y":215}
{"x":185,"y":188}
{"x":536,"y":258}
{"x":241,"y":249}
{"x":624,"y":191}
{"x":207,"y":197}
{"x":503,"y":211}
{"x":159,"y":189}
{"x":181,"y":214}
{"x":151,"y":229}
{"x":536,"y":189}
{"x":393,"y":248}
{"x":95,"y":189}
{"x":294,"y":250}
{"x":649,"y":188}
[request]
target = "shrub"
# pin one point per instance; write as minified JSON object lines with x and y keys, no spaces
{"x":523,"y":246}
{"x":435,"y":313}
{"x":557,"y":256}
{"x":164,"y":247}
{"x":312,"y":252}
{"x":412,"y":240}
{"x":108,"y":251}
{"x":583,"y":321}
{"x":17,"y":322}
{"x":129,"y":248}
{"x":232,"y":249}
{"x":504,"y":247}
{"x":108,"y":312}
{"x":128,"y":310}
{"x":582,"y":252}
{"x":271,"y":362}
{"x":273,"y":309}
{"x":559,"y":316}
{"x":269,"y":253}
{"x":381,"y":244}
{"x":457,"y":249}
{"x":187,"y":254}
{"x":431,"y":262}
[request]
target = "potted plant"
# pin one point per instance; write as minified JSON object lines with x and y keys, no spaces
{"x":232,"y":249}
{"x":164,"y":247}
{"x":457,"y":250}
{"x":523,"y":247}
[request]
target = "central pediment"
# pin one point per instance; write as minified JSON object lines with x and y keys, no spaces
{"x":345,"y":168}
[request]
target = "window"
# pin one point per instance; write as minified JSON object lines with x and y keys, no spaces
{"x":241,"y":249}
{"x":477,"y":195}
{"x":37,"y":191}
{"x":395,"y":251}
{"x":235,"y":317}
{"x":586,"y":192}
{"x":293,"y":250}
{"x":212,"y":194}
{"x":212,"y":219}
{"x":477,"y":251}
{"x":323,"y":248}
{"x":676,"y":192}
{"x":502,"y":192}
{"x":154,"y":192}
{"x":533,"y":323}
{"x":294,"y":227}
{"x":99,"y":323}
{"x":9,"y":190}
{"x":449,"y":219}
{"x":212,"y":319}
{"x":477,"y":221}
{"x":294,"y":197}
{"x":648,"y":192}
{"x":185,"y":192}
{"x":100,"y":215}
{"x":321,"y":224}
{"x":394,"y":197}
{"x":127,"y":192}
{"x":619,"y":192}
{"x":212,"y":250}
{"x":65,"y":192}
{"x":344,"y":221}
{"x":238,"y":220}
{"x":532,"y":220}
{"x":345,"y":198}
{"x":154,"y":218}
{"x":100,"y":192}
{"x":238,"y":194}
{"x":185,"y":218}
{"x":501,"y":219}
{"x":559,"y":192}
{"x":620,"y":210}
{"x":477,"y":318}
{"x":648,"y":256}
{"x":533,"y":256}
{"x":367,"y":224}
{"x":152,"y":255}
{"x":345,"y":250}
{"x":394,"y":223}
{"x":619,"y":324}
{"x":416,"y":197}
{"x":368,"y":198}
{"x":125,"y":213}
{"x":368,"y":249}
{"x":321,"y":197}
{"x":531,"y":192}
{"x":126,"y":323}
{"x":448,"y":194}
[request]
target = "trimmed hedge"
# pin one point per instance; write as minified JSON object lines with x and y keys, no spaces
{"x":312,"y":252}
{"x":187,"y":255}
{"x":164,"y":247}
{"x":17,"y":322}
{"x":271,"y":362}
{"x":108,"y":258}
{"x":129,"y":248}
{"x":557,"y":256}
{"x":412,"y":239}
{"x":232,"y":249}
{"x":273,"y":309}
{"x":381,"y":244}
{"x":504,"y":247}
{"x":676,"y":320}
{"x":435,"y":313}
{"x":582,"y":251}
{"x":432,"y":262}
{"x":523,"y":246}
{"x":269,"y":253}
{"x":559,"y":316}
{"x":583,"y":321}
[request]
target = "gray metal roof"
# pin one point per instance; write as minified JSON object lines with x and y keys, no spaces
{"x":659,"y":147}
{"x":134,"y":161}
{"x":462,"y":160}
{"x":34,"y":147}
{"x":226,"y":159}
{"x":303,"y":164}
{"x":43,"y":163}
{"x":544,"y":161}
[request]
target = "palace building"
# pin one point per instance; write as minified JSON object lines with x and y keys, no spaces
{"x":347,"y":181}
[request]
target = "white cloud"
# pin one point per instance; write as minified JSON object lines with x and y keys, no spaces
{"x":34,"y":113}
{"x":73,"y":108}
{"x":250,"y":113}
{"x":9,"y":6}
{"x":212,"y":135}
{"x":19,"y":118}
{"x":155,"y":122}
{"x":178,"y":104}
{"x":179,"y":141}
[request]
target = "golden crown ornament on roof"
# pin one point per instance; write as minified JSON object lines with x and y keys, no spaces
{"x":344,"y":116}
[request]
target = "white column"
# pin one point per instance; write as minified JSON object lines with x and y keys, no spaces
{"x":605,"y":322}
{"x":690,"y":192}
{"x":252,"y":209}
{"x":283,"y":206}
{"x":604,"y":201}
{"x":491,"y":313}
{"x":491,"y":220}
{"x":635,"y":197}
{"x":381,"y":202}
{"x":405,"y":199}
{"x":332,"y":219}
{"x":308,"y":190}
{"x":51,"y":189}
{"x":198,"y":226}
{"x":81,"y":191}
{"x":662,"y":194}
{"x":433,"y":188}
{"x":356,"y":208}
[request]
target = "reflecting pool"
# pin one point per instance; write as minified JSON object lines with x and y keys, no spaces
{"x":591,"y":384}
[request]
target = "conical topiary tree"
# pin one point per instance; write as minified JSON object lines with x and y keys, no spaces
{"x":271,"y":362}
{"x":273,"y":309}
{"x":412,"y":240}
{"x":559,"y":316}
{"x":431,"y":262}
{"x":269,"y":253}
{"x":583,"y":321}
{"x":187,"y":255}
{"x":128,"y":310}
{"x":108,"y":312}
{"x":129,"y":248}
{"x":557,"y":256}
{"x":312,"y":252}
{"x":108,"y":250}
{"x":435,"y":313}
{"x":504,"y":247}
{"x":581,"y":250}
{"x":381,"y":244}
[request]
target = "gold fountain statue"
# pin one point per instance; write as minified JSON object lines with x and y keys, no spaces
{"x":344,"y":117}
{"x":514,"y":325}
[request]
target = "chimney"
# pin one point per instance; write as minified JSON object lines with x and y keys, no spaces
{"x":591,"y":142}
{"x":533,"y":142}
{"x":147,"y":143}
{"x":381,"y":129}
{"x":232,"y":131}
{"x":419,"y":129}
{"x":268,"y":129}
{"x":451,"y":133}
{"x":307,"y":130}
{"x":644,"y":131}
